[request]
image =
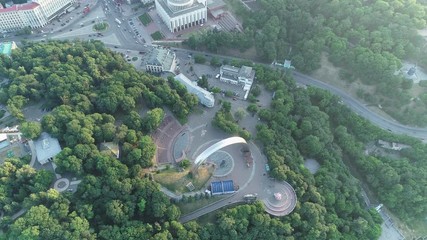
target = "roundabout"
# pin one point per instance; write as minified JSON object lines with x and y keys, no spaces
{"x":61,"y":184}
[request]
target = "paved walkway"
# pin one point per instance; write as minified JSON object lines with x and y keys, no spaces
{"x":18,"y":214}
{"x":33,"y":152}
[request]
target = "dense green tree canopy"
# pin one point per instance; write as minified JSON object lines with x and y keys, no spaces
{"x":115,"y":201}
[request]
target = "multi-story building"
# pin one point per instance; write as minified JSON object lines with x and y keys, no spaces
{"x":22,"y":15}
{"x":243,"y":76}
{"x":182,"y":14}
{"x":33,"y":14}
{"x":205,"y":98}
{"x":160,"y":60}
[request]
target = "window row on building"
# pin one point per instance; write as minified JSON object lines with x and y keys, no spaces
{"x":35,"y":14}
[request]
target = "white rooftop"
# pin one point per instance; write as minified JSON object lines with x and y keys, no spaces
{"x":46,"y":147}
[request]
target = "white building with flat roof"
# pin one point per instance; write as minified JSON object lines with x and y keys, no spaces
{"x":182,"y":14}
{"x":47,"y":148}
{"x":206,"y":98}
{"x":243,"y":76}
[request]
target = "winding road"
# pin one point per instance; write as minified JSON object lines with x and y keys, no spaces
{"x":360,"y":109}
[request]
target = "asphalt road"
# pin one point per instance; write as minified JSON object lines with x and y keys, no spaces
{"x":360,"y":109}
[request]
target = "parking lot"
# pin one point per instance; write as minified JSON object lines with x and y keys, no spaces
{"x":195,"y":71}
{"x":136,"y":31}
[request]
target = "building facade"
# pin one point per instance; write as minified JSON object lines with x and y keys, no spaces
{"x":34,"y":14}
{"x":205,"y":98}
{"x":53,"y":8}
{"x":182,"y":14}
{"x":22,"y":15}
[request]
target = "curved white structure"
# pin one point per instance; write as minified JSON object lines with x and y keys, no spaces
{"x":217,"y":146}
{"x":176,"y":5}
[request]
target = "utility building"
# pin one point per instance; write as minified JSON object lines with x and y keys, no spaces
{"x":243,"y":76}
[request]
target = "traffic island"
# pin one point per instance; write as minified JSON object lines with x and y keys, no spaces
{"x":100,"y":27}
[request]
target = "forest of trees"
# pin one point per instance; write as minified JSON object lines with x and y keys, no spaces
{"x":366,"y":39}
{"x":89,"y":87}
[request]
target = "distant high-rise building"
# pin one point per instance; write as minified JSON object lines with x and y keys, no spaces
{"x":34,"y":14}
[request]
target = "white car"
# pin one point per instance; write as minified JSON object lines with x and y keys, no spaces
{"x":217,"y":76}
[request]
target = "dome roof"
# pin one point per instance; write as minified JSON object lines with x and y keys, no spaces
{"x":175,"y":5}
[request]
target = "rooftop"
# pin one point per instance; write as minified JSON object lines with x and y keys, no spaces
{"x":46,"y":147}
{"x":160,"y":57}
{"x":234,"y":72}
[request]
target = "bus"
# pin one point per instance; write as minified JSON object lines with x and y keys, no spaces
{"x":118,"y":21}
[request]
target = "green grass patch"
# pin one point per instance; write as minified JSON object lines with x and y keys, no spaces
{"x":157,"y":36}
{"x":100,"y":26}
{"x":176,"y":181}
{"x":145,"y":19}
{"x":189,"y":207}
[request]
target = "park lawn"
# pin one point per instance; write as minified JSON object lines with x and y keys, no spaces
{"x":189,"y":207}
{"x":157,"y":36}
{"x":145,"y":19}
{"x":14,"y":151}
{"x":176,"y":181}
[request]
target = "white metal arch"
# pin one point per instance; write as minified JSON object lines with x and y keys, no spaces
{"x":217,"y":146}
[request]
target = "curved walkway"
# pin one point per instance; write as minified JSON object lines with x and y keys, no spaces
{"x":33,"y":152}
